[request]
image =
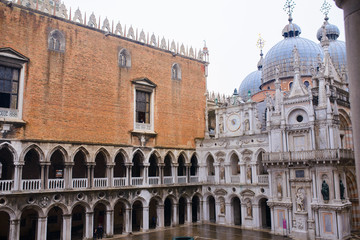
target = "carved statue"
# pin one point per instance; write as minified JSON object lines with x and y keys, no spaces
{"x":300,"y":201}
{"x":279,"y":190}
{"x":296,"y":57}
{"x":222,"y":206}
{"x":247,"y":125}
{"x":325,"y":191}
{"x":342,"y":190}
{"x":222,"y":172}
{"x":221,"y":125}
{"x":248,"y":173}
{"x":249,"y":208}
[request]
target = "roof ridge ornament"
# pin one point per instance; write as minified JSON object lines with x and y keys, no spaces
{"x":289,"y":8}
{"x":260,"y":44}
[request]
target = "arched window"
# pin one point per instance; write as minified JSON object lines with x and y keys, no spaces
{"x":175,"y":72}
{"x":306,"y":83}
{"x":56,"y":41}
{"x":290,"y":85}
{"x":124,"y":58}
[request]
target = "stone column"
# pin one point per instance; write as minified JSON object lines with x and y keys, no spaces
{"x":128,"y":174}
{"x":68,"y":175}
{"x":254,"y":174}
{"x":314,"y":185}
{"x":42,"y":176}
{"x":251,"y":120}
{"x":272,"y":213}
{"x":41,"y":228}
{"x":189,"y":212}
{"x":89,"y":225}
{"x":145,"y":219}
{"x":242,"y":173}
{"x":128,"y":220}
{"x":161,"y":173}
{"x":18,"y":176}
{"x":287,"y":183}
{"x":227,"y":173}
{"x":14,"y":231}
{"x":160,"y":216}
{"x":66,"y":227}
{"x":146,"y":174}
{"x":175,"y":220}
{"x":187,"y":165}
{"x":256,"y":215}
{"x":229,"y":215}
{"x":270,"y":184}
{"x":110,"y":174}
{"x":109,"y":223}
{"x":90,"y":174}
{"x":217,"y":177}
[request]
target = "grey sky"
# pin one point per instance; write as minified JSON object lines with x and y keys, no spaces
{"x":230,"y":27}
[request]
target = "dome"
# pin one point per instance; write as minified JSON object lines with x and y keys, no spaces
{"x":332,"y":32}
{"x":251,"y":83}
{"x":337,"y":51}
{"x":291,"y":30}
{"x":281,"y":56}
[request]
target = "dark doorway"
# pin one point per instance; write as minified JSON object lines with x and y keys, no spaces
{"x":119,"y":218}
{"x":212,"y":211}
{"x":5,"y":226}
{"x":153,"y":213}
{"x":236,"y":205}
{"x":77,"y":223}
{"x":137,"y":211}
{"x":28,"y":225}
{"x":182,"y":210}
{"x":265,"y":217}
{"x":54,"y":224}
{"x":195,"y":209}
{"x":167,"y":212}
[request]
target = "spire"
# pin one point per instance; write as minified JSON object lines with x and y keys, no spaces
{"x":298,"y":88}
{"x":260,"y":44}
{"x":291,"y":29}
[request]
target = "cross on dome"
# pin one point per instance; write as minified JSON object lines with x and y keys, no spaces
{"x":288,"y":8}
{"x":325,"y":8}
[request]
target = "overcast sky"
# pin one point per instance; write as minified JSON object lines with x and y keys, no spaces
{"x":230,"y":27}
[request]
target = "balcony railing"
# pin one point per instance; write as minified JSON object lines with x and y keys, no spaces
{"x":311,"y":155}
{"x":181,"y":179}
{"x":119,"y":181}
{"x":211,"y":179}
{"x":31,"y":184}
{"x":154,"y":180}
{"x":263,"y":179}
{"x":100,"y":182}
{"x":168,"y":180}
{"x":56,"y":183}
{"x":136,"y":181}
{"x":6,"y":185}
{"x":235,"y":179}
{"x":194,"y":179}
{"x":79,"y":183}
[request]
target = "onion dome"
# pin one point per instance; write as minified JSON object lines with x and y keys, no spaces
{"x":280,"y":56}
{"x":337,"y":48}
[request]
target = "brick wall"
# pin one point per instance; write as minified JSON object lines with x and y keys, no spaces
{"x":82,"y":95}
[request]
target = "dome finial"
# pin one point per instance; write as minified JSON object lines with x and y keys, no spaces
{"x":288,"y":8}
{"x":325,"y":8}
{"x":260,"y":44}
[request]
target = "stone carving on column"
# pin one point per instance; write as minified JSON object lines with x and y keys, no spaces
{"x":222,"y":171}
{"x":221,"y":125}
{"x":248,"y":174}
{"x":279,"y":190}
{"x":163,"y":43}
{"x":247,"y":125}
{"x":222,"y":206}
{"x":248,"y":208}
{"x":300,"y":207}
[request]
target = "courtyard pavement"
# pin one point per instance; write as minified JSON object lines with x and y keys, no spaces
{"x":202,"y":232}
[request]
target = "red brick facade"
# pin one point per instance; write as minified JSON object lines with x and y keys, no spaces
{"x":82,"y":95}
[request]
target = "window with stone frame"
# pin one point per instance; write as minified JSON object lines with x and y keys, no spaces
{"x":12,"y":71}
{"x":142,"y":107}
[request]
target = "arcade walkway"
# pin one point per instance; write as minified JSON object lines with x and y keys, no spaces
{"x":203,"y":232}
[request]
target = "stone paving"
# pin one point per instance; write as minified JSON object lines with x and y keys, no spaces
{"x":203,"y":232}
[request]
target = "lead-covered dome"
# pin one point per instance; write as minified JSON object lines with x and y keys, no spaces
{"x":280,"y":56}
{"x":251,"y":82}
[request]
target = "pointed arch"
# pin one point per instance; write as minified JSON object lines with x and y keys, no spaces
{"x":106,"y":154}
{"x":156,"y":154}
{"x":37,"y":149}
{"x":184,"y":155}
{"x":171,"y":155}
{"x":83,"y":151}
{"x":58,"y":148}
